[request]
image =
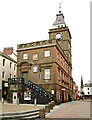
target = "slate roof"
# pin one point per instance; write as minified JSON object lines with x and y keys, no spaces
{"x":7,"y":56}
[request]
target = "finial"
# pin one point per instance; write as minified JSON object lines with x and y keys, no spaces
{"x":60,"y":7}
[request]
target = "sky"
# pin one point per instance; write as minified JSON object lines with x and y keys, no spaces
{"x":24,"y":21}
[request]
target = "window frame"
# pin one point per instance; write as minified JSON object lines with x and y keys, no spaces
{"x":10,"y":65}
{"x":35,"y":58}
{"x":14,"y":66}
{"x":3,"y":74}
{"x":36,"y":69}
{"x":23,"y":57}
{"x":3,"y":62}
{"x":48,"y":53}
{"x":46,"y":74}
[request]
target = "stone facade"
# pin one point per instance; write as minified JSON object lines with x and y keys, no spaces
{"x":48,"y":63}
{"x":61,"y":81}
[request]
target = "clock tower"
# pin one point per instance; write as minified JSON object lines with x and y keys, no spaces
{"x":61,"y":34}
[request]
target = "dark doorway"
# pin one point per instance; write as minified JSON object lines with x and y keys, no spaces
{"x":25,"y":75}
{"x":62,"y":96}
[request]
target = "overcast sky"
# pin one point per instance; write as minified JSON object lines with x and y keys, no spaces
{"x":23,"y":21}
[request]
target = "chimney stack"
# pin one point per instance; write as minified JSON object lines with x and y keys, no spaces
{"x":8,"y":50}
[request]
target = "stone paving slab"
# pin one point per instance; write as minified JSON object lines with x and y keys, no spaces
{"x":75,"y":109}
{"x":8,"y":108}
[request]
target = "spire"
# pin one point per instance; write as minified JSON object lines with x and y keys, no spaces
{"x":59,"y":19}
{"x":60,"y":7}
{"x":81,"y":82}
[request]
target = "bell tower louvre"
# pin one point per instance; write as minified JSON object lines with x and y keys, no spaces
{"x":44,"y":68}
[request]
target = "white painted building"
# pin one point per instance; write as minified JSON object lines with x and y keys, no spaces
{"x":8,"y":68}
{"x":87,"y":88}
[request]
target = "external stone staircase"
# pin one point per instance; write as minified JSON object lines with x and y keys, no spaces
{"x":41,"y":95}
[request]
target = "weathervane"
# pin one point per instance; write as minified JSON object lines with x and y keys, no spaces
{"x":60,"y":6}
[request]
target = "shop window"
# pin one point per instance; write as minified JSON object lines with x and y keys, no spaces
{"x":47,"y":74}
{"x":46,"y":53}
{"x":25,"y":56}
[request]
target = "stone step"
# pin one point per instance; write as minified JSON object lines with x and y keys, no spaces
{"x":31,"y":114}
{"x":32,"y":117}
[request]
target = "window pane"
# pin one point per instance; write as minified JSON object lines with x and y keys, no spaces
{"x":25,"y":56}
{"x":35,"y":56}
{"x":3,"y":74}
{"x":3,"y":62}
{"x":47,"y":53}
{"x":47,"y":74}
{"x":35,"y":69}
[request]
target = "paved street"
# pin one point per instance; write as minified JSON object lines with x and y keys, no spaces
{"x":75,"y":109}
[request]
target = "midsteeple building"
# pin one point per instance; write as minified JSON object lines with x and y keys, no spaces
{"x":44,"y":68}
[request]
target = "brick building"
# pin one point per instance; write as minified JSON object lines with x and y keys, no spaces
{"x":48,"y":63}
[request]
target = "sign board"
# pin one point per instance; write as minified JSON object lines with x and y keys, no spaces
{"x":27,"y":95}
{"x":5,"y":84}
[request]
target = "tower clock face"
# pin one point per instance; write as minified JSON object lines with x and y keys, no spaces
{"x":58,"y":35}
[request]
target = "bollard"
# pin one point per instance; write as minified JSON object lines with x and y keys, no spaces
{"x":18,"y":101}
{"x":42,"y":113}
{"x":35,"y":101}
{"x":53,"y":102}
{"x":2,"y":100}
{"x":47,"y":108}
{"x":51,"y":105}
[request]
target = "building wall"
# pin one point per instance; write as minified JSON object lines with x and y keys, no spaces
{"x":0,"y":78}
{"x":60,"y":75}
{"x":7,"y":71}
{"x":87,"y":90}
